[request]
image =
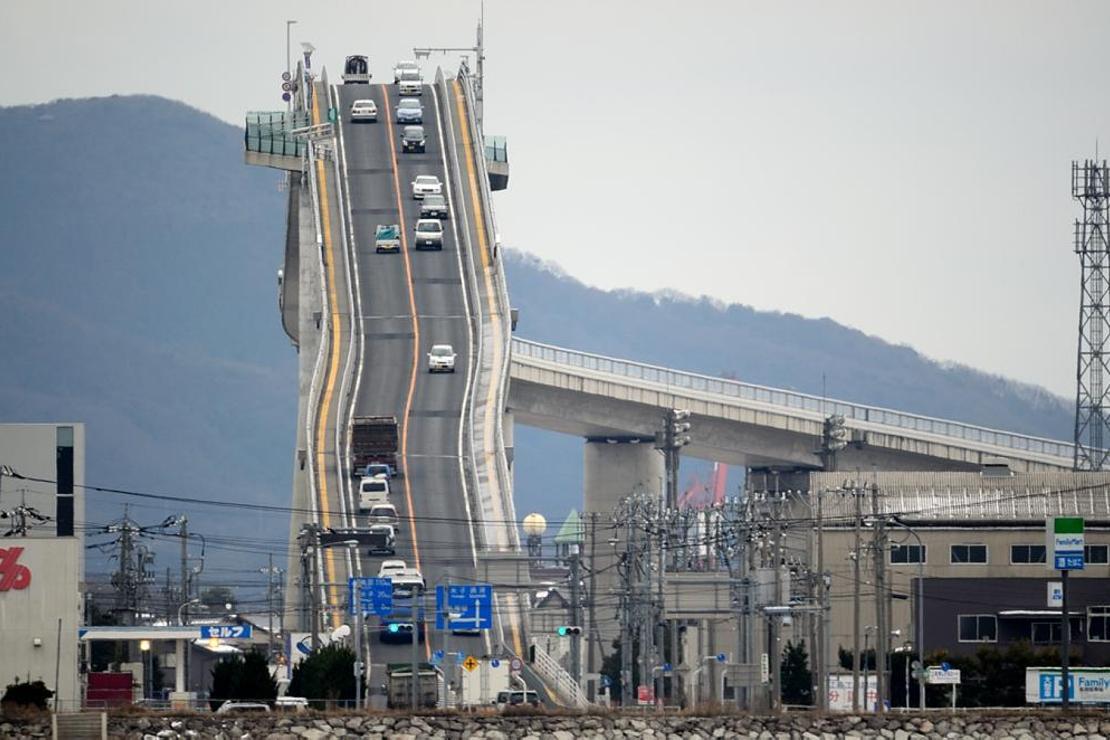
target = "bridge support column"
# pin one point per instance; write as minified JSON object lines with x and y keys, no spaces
{"x":613,"y":469}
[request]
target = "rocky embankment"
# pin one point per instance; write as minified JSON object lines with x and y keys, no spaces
{"x":1015,"y":725}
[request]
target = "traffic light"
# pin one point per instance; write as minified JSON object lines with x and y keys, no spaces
{"x":568,"y":630}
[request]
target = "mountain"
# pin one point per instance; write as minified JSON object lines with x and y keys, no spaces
{"x":137,"y":275}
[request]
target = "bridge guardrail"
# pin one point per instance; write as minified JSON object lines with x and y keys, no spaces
{"x":493,"y":241}
{"x":818,"y":407}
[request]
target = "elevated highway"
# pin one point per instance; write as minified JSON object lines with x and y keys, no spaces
{"x":363,"y":323}
{"x":599,"y":397}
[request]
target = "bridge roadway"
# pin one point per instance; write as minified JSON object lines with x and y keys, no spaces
{"x":601,"y":397}
{"x":410,"y":301}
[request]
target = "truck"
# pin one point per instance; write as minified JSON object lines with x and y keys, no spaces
{"x":356,"y":70}
{"x":387,"y":238}
{"x":399,"y":685}
{"x":373,"y":440}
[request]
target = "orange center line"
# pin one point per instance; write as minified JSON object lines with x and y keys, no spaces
{"x":415,"y":346}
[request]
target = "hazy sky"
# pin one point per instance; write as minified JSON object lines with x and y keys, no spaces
{"x":903,"y":168}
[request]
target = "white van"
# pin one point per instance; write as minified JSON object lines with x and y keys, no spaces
{"x":372,"y":491}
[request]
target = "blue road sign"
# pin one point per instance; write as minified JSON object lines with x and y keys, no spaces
{"x":667,"y":667}
{"x":226,"y":631}
{"x":437,"y":657}
{"x":460,"y":658}
{"x":472,"y":602}
{"x":722,"y":658}
{"x":373,"y":594}
{"x":494,"y":663}
{"x":606,"y":682}
{"x":946,"y":666}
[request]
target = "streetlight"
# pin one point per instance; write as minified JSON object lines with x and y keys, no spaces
{"x":919,"y":617}
{"x":190,"y":602}
{"x":144,"y":646}
{"x":353,"y":545}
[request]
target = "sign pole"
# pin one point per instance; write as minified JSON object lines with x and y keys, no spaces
{"x":415,"y":649}
{"x":1065,"y":644}
{"x":358,"y":653}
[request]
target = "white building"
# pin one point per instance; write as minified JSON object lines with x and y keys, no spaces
{"x":42,"y":467}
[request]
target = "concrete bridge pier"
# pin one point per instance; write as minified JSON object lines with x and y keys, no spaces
{"x":614,"y":468}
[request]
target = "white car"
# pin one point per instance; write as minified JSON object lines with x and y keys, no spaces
{"x":372,"y":491}
{"x":429,"y":234}
{"x":426,"y":185}
{"x":410,"y":83}
{"x":409,"y":110}
{"x":243,"y":706}
{"x":391,"y":567}
{"x":401,"y":68}
{"x":364,"y":110}
{"x":441,"y":359}
{"x":383,"y":514}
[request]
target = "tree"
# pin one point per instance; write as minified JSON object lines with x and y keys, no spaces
{"x":993,"y":677}
{"x":242,"y":677}
{"x":23,"y":697}
{"x":796,"y":678}
{"x":611,"y":667}
{"x":217,"y":598}
{"x":328,"y":675}
{"x":866,"y":659}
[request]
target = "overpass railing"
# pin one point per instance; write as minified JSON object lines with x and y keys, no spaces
{"x":792,"y":400}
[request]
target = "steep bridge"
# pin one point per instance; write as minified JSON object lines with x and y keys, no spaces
{"x":363,"y":322}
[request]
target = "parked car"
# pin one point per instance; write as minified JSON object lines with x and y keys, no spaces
{"x":412,"y":139}
{"x":409,"y":110}
{"x":429,"y":234}
{"x":291,"y":704}
{"x":516,"y":697}
{"x":364,"y":110}
{"x":426,"y":185}
{"x":242,"y":706}
{"x":441,"y":359}
{"x":433,"y":206}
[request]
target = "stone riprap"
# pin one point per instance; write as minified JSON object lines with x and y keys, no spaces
{"x":1014,"y":725}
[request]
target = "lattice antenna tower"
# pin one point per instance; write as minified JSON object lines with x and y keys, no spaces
{"x":1090,"y":185}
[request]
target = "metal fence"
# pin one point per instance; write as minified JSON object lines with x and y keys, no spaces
{"x":793,"y":401}
{"x":268,"y":132}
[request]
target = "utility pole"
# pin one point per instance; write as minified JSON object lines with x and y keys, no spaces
{"x":855,"y":602}
{"x":595,"y":634}
{"x":575,"y":610}
{"x":270,"y":602}
{"x":821,"y":647}
{"x":775,"y":621}
{"x":881,"y":631}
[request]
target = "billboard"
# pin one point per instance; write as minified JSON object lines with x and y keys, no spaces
{"x":840,"y":692}
{"x":1088,"y":685}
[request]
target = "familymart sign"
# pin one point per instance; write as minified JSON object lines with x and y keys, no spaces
{"x":1064,"y":543}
